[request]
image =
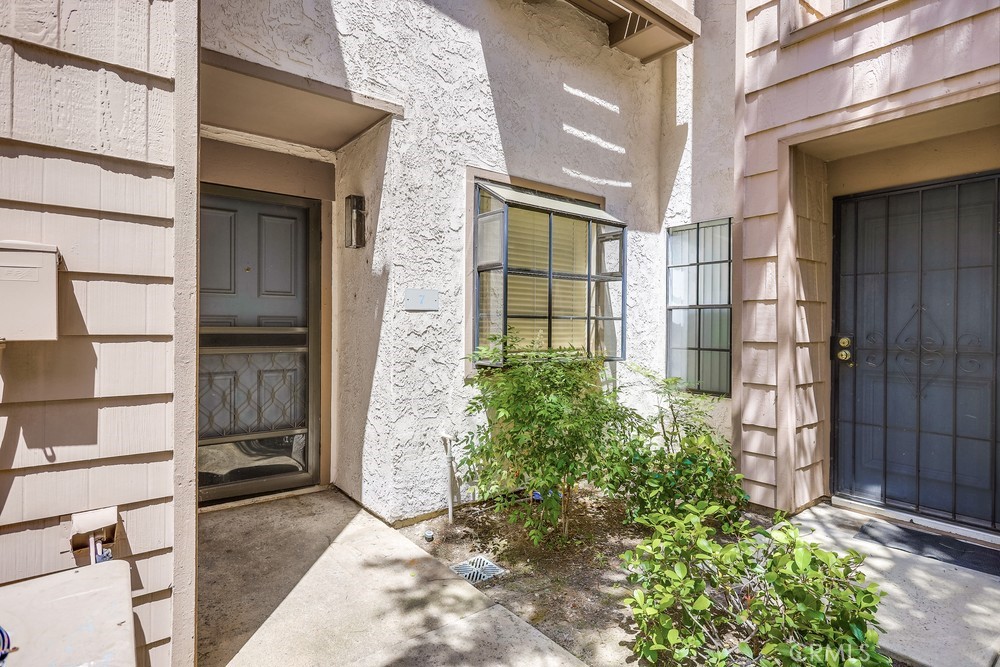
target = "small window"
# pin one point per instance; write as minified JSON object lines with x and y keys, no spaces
{"x":699,"y":305}
{"x":549,"y":272}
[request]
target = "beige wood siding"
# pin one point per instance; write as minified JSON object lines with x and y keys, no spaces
{"x":905,"y":58}
{"x":87,"y":164}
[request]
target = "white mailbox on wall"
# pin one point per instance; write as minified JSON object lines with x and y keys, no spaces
{"x":29,"y":303}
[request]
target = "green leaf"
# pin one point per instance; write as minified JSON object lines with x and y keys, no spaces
{"x":802,"y":558}
{"x":681,"y":570}
{"x":746,"y":650}
{"x":702,"y":603}
{"x":673,"y":636}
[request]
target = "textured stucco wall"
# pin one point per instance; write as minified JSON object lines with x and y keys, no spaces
{"x":529,"y":89}
{"x":713,"y":128}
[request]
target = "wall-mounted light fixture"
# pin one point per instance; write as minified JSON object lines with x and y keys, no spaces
{"x":354,"y":232}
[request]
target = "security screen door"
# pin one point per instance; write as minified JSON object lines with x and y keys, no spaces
{"x":916,"y":403}
{"x":254,"y":417}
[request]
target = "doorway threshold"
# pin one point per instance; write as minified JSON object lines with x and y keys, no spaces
{"x":943,"y":527}
{"x":254,"y":500}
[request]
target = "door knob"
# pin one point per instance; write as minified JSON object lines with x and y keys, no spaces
{"x":842,"y":346}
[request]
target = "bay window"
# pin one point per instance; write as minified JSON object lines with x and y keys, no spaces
{"x":549,"y":272}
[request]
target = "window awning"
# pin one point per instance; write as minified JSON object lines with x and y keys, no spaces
{"x":515,"y":196}
{"x":646,"y":29}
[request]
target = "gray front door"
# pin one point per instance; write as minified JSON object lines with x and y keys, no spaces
{"x":916,"y":396}
{"x":254,"y":412}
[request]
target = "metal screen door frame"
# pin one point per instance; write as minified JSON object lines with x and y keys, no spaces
{"x":313,"y":277}
{"x":842,"y":328}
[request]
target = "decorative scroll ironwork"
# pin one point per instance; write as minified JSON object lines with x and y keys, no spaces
{"x":970,"y":353}
{"x":242,"y":393}
{"x":920,"y":359}
{"x":874,"y":357}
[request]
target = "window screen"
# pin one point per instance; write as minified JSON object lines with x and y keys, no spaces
{"x":699,"y":260}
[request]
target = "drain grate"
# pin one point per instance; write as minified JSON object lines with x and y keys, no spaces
{"x":478,"y":569}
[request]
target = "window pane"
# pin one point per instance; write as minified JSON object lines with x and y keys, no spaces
{"x":490,"y":305}
{"x":715,"y":328}
{"x":606,"y":338}
{"x":527,"y":295}
{"x":529,"y":332}
{"x":683,"y":364}
{"x":489,"y":232}
{"x":682,"y":247}
{"x":569,"y":333}
{"x":569,"y":245}
{"x":713,"y":284}
{"x":682,"y":331}
{"x":606,"y":298}
{"x":608,"y":253}
{"x":488,"y":202}
{"x":682,"y":287}
{"x":569,"y":297}
{"x":527,"y":239}
{"x":715,"y":372}
{"x":714,"y":243}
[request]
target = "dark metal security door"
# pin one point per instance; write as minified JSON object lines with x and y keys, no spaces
{"x":916,"y":387}
{"x":254,"y":413}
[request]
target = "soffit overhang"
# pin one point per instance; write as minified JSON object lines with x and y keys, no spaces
{"x":253,"y":99}
{"x":646,"y":29}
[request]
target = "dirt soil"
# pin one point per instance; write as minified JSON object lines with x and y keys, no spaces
{"x":571,"y":591}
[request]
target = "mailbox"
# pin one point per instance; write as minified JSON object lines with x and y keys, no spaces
{"x":29,"y":304}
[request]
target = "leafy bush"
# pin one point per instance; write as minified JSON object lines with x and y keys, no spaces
{"x":766,"y":597}
{"x":680,"y":413}
{"x":652,"y":479}
{"x":690,"y":462}
{"x":551,"y":424}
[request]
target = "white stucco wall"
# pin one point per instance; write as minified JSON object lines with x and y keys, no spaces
{"x":529,"y":89}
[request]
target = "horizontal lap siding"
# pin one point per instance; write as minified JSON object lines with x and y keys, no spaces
{"x":86,"y":163}
{"x":906,"y":54}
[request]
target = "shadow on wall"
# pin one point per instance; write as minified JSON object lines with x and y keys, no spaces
{"x":673,"y":140}
{"x":571,"y":111}
{"x":33,"y":372}
{"x":361,"y":282}
{"x":315,"y":49}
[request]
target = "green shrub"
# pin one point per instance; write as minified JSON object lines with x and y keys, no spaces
{"x":551,"y":424}
{"x":652,"y":479}
{"x":680,"y":413}
{"x":765,"y":597}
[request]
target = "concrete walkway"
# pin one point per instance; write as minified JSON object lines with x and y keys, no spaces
{"x":934,"y":614}
{"x":315,"y":580}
